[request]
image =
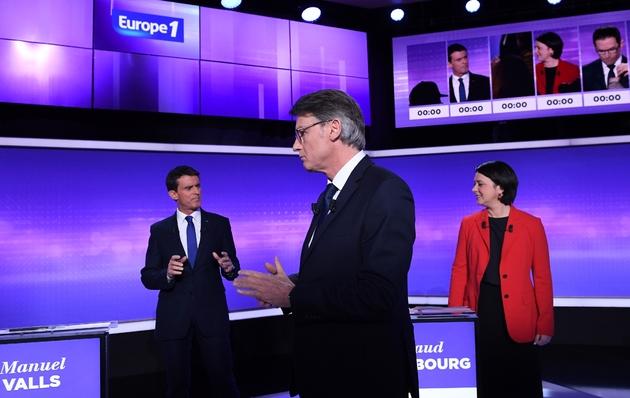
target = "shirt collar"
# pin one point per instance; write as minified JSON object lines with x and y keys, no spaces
{"x":617,"y":62}
{"x":465,"y":76}
{"x":343,"y":174}
{"x":196,"y":215}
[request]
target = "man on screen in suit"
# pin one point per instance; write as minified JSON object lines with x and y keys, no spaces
{"x":463,"y":84}
{"x":610,"y":71}
{"x":185,"y":260}
{"x":353,"y":336}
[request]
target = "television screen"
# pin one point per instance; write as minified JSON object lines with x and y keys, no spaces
{"x":516,"y":71}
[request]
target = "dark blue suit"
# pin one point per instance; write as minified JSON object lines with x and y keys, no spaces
{"x":353,"y":334}
{"x":194,"y":303}
{"x":478,"y":88}
{"x":594,"y":78}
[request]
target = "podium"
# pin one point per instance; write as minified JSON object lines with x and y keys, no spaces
{"x":55,"y":361}
{"x":445,"y":351}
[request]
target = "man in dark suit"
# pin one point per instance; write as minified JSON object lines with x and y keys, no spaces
{"x":353,"y":336}
{"x":463,"y":84}
{"x":184,"y":256}
{"x":610,"y":71}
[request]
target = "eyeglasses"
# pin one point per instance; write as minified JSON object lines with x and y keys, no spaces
{"x":609,"y":51}
{"x":299,"y":133}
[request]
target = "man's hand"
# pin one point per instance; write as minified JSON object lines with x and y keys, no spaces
{"x":224,"y":261}
{"x":175,"y":266}
{"x":271,"y":289}
{"x":622,"y":70}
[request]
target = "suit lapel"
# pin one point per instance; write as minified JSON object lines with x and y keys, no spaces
{"x":311,"y":228}
{"x":346,"y":193}
{"x":205,"y":236}
{"x":514,"y":224}
{"x":482,"y":220}
{"x":175,"y":236}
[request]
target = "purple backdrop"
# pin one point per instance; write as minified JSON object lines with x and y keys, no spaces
{"x":77,"y":232}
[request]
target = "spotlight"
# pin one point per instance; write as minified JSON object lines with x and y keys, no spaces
{"x":311,"y":14}
{"x":554,"y":2}
{"x":397,"y":15}
{"x":230,"y":4}
{"x":472,"y":5}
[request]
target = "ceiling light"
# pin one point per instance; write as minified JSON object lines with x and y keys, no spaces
{"x":472,"y":5}
{"x":397,"y":15}
{"x":554,"y":2}
{"x":230,"y":4}
{"x":311,"y":14}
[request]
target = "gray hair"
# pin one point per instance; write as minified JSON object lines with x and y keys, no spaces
{"x":334,"y":104}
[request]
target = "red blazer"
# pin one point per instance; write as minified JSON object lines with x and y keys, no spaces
{"x":566,"y":73}
{"x":528,"y":307}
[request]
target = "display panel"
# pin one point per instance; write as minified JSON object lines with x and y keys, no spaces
{"x":44,"y":74}
{"x":147,"y":27}
{"x":64,"y":22}
{"x":332,"y":51}
{"x":507,"y":77}
{"x":359,"y":89}
{"x":228,"y":36}
{"x":245,"y":91}
{"x":79,"y":227}
{"x":445,"y":357}
{"x":139,"y":82}
{"x":53,"y":367}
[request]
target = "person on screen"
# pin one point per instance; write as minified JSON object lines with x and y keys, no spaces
{"x":501,"y":271}
{"x":185,"y":254}
{"x":353,"y":335}
{"x":425,"y":93}
{"x":463,"y":84}
{"x":554,"y":75}
{"x":512,"y":69}
{"x":610,"y":71}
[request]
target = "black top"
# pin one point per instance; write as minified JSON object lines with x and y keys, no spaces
{"x":551,"y":77}
{"x":497,"y":232}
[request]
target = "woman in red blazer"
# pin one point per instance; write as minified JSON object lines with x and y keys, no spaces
{"x":553,"y":75}
{"x":501,"y":271}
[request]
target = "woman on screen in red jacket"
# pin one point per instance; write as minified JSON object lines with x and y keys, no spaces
{"x":553,"y":75}
{"x":501,"y":271}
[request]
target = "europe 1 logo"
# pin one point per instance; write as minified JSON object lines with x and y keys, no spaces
{"x":148,"y":26}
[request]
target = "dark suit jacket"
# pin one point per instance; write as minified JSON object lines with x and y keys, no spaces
{"x":197,"y":291}
{"x":528,"y":308}
{"x":350,"y":303}
{"x":594,"y":79}
{"x":478,"y":89}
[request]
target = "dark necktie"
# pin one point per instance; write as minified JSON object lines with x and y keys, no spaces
{"x":611,"y":74}
{"x":191,"y":237}
{"x":462,"y":90}
{"x":328,"y":195}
